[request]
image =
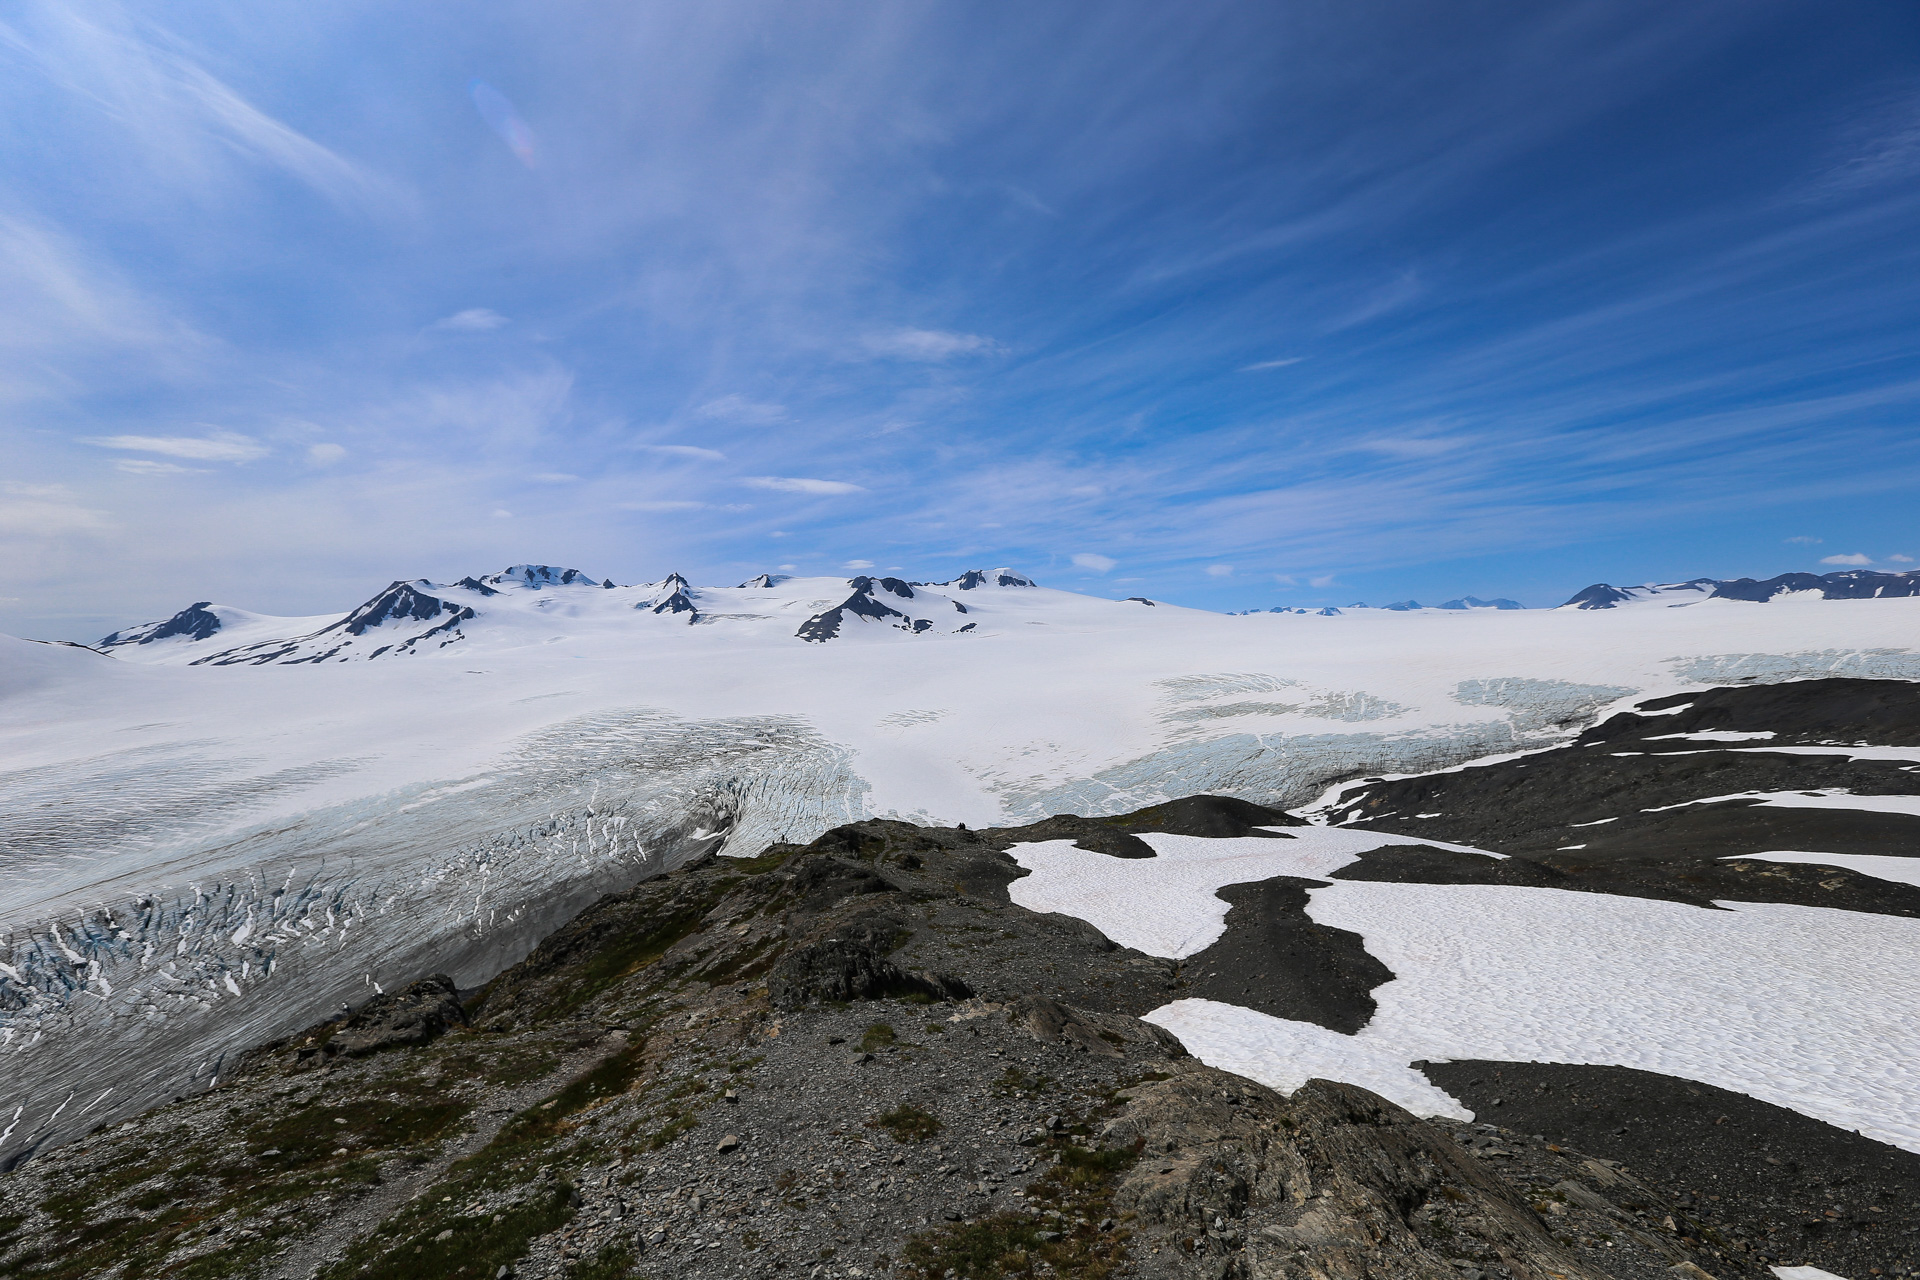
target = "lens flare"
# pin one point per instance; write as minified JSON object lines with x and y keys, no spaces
{"x":505,"y":121}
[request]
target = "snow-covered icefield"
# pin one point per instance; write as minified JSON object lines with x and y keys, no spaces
{"x":197,"y":857}
{"x":1805,"y":1007}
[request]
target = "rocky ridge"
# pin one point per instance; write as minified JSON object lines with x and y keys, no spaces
{"x":851,"y":1059}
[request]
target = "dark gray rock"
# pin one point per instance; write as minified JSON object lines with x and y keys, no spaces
{"x":411,"y":1016}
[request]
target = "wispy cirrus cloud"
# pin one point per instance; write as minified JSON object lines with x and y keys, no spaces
{"x":46,"y":511}
{"x":932,"y":346}
{"x":472,"y":320}
{"x":801,"y":484}
{"x":1855,"y":558}
{"x":737,"y":408}
{"x":154,"y":467}
{"x":220,"y":446}
{"x":681,"y":504}
{"x":689,"y":451}
{"x":191,"y":124}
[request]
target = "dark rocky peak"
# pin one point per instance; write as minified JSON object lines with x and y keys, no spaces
{"x":1848,"y":584}
{"x":400,"y":602}
{"x":678,"y":602}
{"x":987,"y":578}
{"x":540,"y":575}
{"x":899,"y":588}
{"x":1140,"y":600}
{"x":673,"y":582}
{"x":1475,"y":602}
{"x":1405,"y":606}
{"x":474,"y":584}
{"x":766,"y":580}
{"x":1329,"y":612}
{"x":1603,"y":595}
{"x":1597,"y":596}
{"x":822,"y":627}
{"x":196,"y":622}
{"x":1760,"y":592}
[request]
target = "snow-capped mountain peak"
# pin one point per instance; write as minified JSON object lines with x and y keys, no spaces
{"x":197,"y":621}
{"x":973,"y":578}
{"x":541,"y":575}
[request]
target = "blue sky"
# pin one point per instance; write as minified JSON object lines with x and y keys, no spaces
{"x":1227,"y":304}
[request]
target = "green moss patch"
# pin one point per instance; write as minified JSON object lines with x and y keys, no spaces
{"x":907,"y":1123}
{"x":476,"y":1249}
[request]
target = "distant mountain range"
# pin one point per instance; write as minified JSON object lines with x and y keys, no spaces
{"x":419,"y":616}
{"x":1398,"y":606}
{"x":1848,"y":584}
{"x":416,"y":616}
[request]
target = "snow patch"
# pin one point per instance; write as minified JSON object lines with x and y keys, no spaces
{"x":1168,"y":905}
{"x":1791,"y":1005}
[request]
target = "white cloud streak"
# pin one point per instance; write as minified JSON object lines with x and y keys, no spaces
{"x":472,"y":320}
{"x":683,"y":451}
{"x":737,"y":408}
{"x":189,"y":122}
{"x":221,"y":446}
{"x":800,"y":484}
{"x":932,"y":346}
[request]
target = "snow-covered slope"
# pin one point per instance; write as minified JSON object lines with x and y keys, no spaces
{"x":211,"y":839}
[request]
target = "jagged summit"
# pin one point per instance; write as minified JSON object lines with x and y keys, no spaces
{"x":195,"y":622}
{"x":1847,"y":584}
{"x":986,"y":578}
{"x":540,"y":575}
{"x":1604,"y":596}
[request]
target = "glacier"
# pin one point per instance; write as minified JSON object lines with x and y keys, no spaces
{"x":223,"y":833}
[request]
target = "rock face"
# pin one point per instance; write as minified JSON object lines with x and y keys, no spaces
{"x":853,"y":965}
{"x":1668,"y":801}
{"x":413,"y":1016}
{"x":1332,"y":1182}
{"x":852,"y":1059}
{"x":197,"y":621}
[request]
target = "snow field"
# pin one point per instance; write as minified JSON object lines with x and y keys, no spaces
{"x":1805,"y":1007}
{"x":1168,"y":905}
